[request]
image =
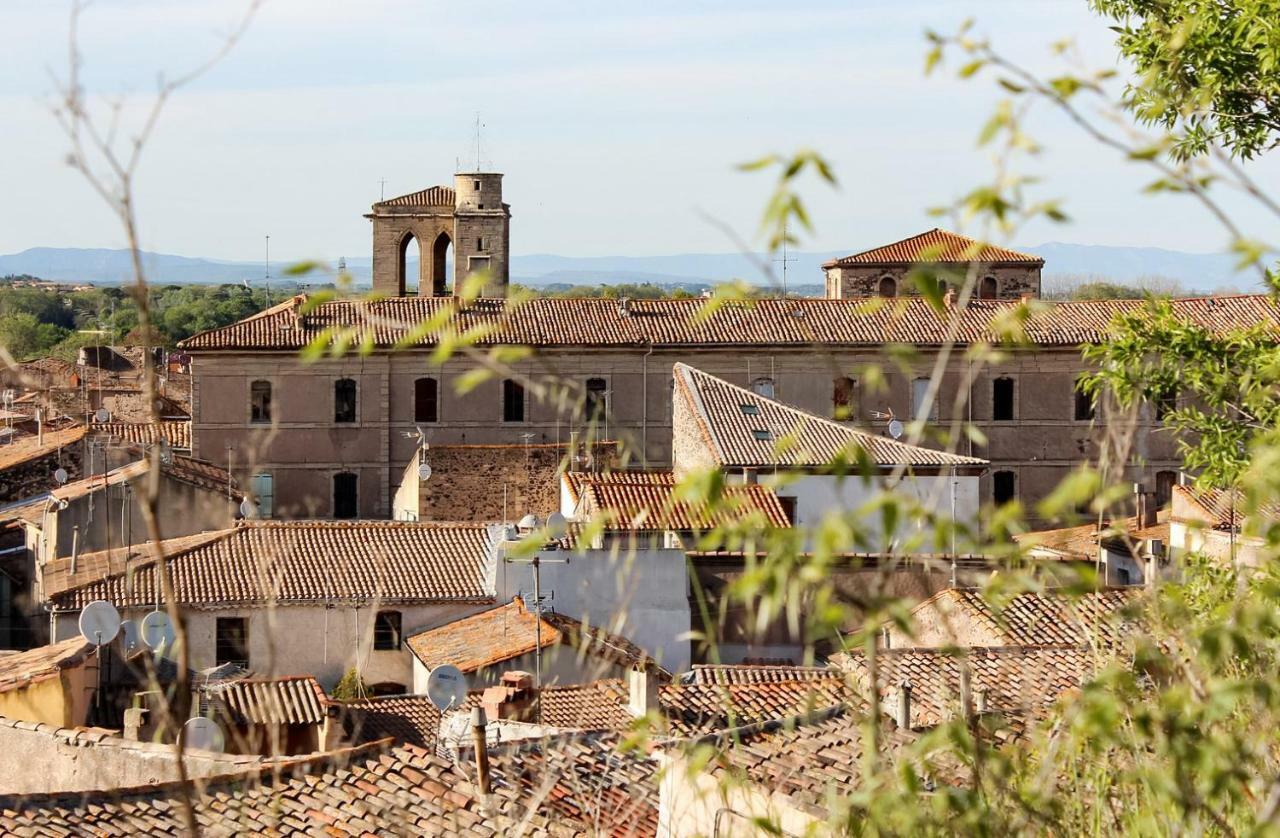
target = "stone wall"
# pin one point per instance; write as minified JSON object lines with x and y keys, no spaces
{"x":1012,"y":281}
{"x":495,"y":482}
{"x":45,"y":759}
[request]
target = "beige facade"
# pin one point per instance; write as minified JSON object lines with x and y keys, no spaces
{"x":991,"y":282}
{"x":303,"y":448}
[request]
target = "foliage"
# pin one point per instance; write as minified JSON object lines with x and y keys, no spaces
{"x":1209,"y":71}
{"x":351,"y":687}
{"x":635,"y":291}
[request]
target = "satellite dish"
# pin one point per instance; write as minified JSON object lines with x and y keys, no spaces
{"x":556,"y":525}
{"x":156,"y":631}
{"x":446,"y":687}
{"x":248,"y":508}
{"x":424,"y":470}
{"x":895,"y":428}
{"x":99,"y":622}
{"x":130,"y":636}
{"x":203,"y":734}
{"x":102,"y":416}
{"x":61,"y":475}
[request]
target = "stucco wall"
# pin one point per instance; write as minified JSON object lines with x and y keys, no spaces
{"x":40,"y":758}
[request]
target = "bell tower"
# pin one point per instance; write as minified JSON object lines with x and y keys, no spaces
{"x":468,"y":223}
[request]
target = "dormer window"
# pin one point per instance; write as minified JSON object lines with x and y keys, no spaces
{"x":762,"y":435}
{"x":749,"y":409}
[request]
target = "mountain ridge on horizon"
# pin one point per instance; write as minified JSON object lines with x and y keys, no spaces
{"x":105,"y":266}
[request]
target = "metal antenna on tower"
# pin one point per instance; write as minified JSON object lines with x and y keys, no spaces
{"x":266,"y":288}
{"x":382,"y":189}
{"x":477,"y":141}
{"x":785,"y":260}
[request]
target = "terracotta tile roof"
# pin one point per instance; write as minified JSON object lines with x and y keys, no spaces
{"x":193,"y":472}
{"x":177,"y":434}
{"x":826,"y":323}
{"x":743,"y":428}
{"x":56,"y":576}
{"x":31,"y":448}
{"x":599,"y":705}
{"x":259,"y":563}
{"x":1049,"y":618}
{"x":637,"y":501}
{"x":1221,"y":509}
{"x":19,"y":669}
{"x":1081,"y":543}
{"x":267,"y":701}
{"x":370,"y":790}
{"x":408,"y":719}
{"x":432,"y":196}
{"x":705,"y":673}
{"x":937,"y":246}
{"x":509,"y":631}
{"x":696,"y":709}
{"x":1023,"y":680}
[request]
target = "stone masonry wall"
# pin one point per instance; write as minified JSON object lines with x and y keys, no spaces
{"x":1012,"y":282}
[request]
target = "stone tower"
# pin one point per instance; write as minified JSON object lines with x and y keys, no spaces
{"x":471,"y":218}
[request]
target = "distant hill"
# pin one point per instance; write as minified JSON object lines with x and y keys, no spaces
{"x":1195,"y":271}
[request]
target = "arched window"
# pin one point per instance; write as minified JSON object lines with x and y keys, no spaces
{"x":844,"y":398}
{"x":1004,"y":487}
{"x":344,"y":400}
{"x":597,"y":399}
{"x":1002,"y":400}
{"x":989,"y":288}
{"x":512,"y":401}
{"x":408,"y":265}
{"x":345,"y":501}
{"x":888,"y":287}
{"x":260,"y":402}
{"x":426,"y":400}
{"x":439,"y":261}
{"x":763,"y":387}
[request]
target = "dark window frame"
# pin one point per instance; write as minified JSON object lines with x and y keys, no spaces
{"x":595,"y":402}
{"x":426,"y":399}
{"x":342,"y":509}
{"x":513,"y":401}
{"x":260,"y":392}
{"x":1004,"y":404}
{"x":1165,"y":403}
{"x":346,"y":401}
{"x":231,"y":641}
{"x":844,"y":398}
{"x":988,"y":288}
{"x":890,"y":283}
{"x":387,"y":630}
{"x":1000,"y":494}
{"x":1083,"y":408}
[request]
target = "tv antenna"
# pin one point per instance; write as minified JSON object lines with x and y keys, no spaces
{"x":382,"y":189}
{"x":478,"y":127}
{"x":785,"y":260}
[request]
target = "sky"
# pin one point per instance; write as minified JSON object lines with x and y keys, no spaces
{"x":618,"y":125}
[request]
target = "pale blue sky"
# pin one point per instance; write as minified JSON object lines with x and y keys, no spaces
{"x":618,"y":125}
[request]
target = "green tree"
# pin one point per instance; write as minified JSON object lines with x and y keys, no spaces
{"x":1208,"y":70}
{"x":350,"y":688}
{"x":26,"y":337}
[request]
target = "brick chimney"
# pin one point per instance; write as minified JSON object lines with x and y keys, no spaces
{"x":643,"y":697}
{"x":513,"y":698}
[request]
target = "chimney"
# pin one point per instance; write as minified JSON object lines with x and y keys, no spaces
{"x":981,"y":704}
{"x":643,"y":692}
{"x":133,"y":720}
{"x":512,"y":698}
{"x":482,"y":749}
{"x":624,"y":306}
{"x":904,"y":706}
{"x":966,"y":692}
{"x":949,"y":298}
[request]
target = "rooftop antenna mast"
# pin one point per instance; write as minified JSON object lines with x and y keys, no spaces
{"x":382,"y":189}
{"x":478,"y":126}
{"x":266,"y":280}
{"x":785,"y":260}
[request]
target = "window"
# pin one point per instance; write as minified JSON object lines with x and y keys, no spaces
{"x":344,"y":495}
{"x":1002,"y":400}
{"x":844,"y":398}
{"x":260,"y":401}
{"x":512,"y":401}
{"x":888,"y":287}
{"x":1084,"y":406}
{"x":1123,"y":576}
{"x":231,"y":641}
{"x":262,"y":490}
{"x":788,"y":507}
{"x":919,"y":408}
{"x":344,"y":400}
{"x":1165,"y":481}
{"x":386,"y":630}
{"x":597,"y":399}
{"x":988,"y":289}
{"x":480,"y":243}
{"x":762,"y":434}
{"x":749,"y":409}
{"x":477,"y":185}
{"x":763,"y":387}
{"x":1004,"y":487}
{"x":426,"y":400}
{"x":1166,"y":403}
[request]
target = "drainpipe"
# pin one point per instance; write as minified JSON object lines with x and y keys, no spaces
{"x":644,"y":398}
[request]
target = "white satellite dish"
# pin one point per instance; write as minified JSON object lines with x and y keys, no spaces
{"x":156,"y":631}
{"x":895,"y":428}
{"x":99,"y":622}
{"x":102,"y":416}
{"x":203,"y":734}
{"x":424,"y":470}
{"x":130,"y":636}
{"x":248,"y":508}
{"x":446,"y":687}
{"x":61,"y":475}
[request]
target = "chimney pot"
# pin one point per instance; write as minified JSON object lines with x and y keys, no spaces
{"x":481,"y":748}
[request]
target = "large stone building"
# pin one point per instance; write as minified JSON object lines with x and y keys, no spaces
{"x":332,"y":438}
